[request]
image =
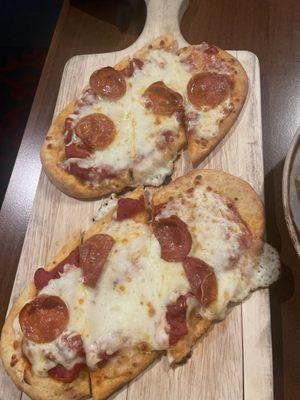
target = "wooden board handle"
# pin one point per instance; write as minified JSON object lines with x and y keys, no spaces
{"x":163,"y":16}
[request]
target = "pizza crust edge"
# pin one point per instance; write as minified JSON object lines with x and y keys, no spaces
{"x":52,"y":151}
{"x":105,"y":381}
{"x":199,"y":150}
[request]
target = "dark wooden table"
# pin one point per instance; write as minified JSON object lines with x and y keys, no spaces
{"x":268,"y":28}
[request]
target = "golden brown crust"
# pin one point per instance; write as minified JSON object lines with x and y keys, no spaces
{"x":120,"y":370}
{"x":126,"y":365}
{"x":52,"y":151}
{"x":249,"y":207}
{"x":199,"y":148}
{"x":239,"y":192}
{"x":18,"y":369}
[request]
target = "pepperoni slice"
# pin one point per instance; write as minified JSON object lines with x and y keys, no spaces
{"x":202,"y":280}
{"x":65,"y":375}
{"x":92,"y":256}
{"x":128,"y":208}
{"x":73,"y":150}
{"x":42,"y":277}
{"x":108,"y":82}
{"x":174,"y":238}
{"x":176,"y":318}
{"x":162,"y":100}
{"x":96,"y":130}
{"x":208,"y":89}
{"x":44,"y":318}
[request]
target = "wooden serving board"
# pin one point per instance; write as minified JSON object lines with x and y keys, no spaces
{"x":234,"y":360}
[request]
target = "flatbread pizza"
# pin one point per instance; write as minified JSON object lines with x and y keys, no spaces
{"x":131,"y":121}
{"x":147,"y":279}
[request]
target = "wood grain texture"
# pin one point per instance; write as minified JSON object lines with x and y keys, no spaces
{"x":228,"y":348}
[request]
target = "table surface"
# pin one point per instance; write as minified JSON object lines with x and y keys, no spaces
{"x":270,"y":29}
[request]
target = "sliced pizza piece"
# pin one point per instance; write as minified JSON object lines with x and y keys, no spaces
{"x":138,"y":287}
{"x":129,"y":124}
{"x":124,"y":130}
{"x":215,"y":94}
{"x":64,"y":384}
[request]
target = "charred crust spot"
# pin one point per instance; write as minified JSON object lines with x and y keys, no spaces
{"x":171,"y":198}
{"x":190,"y":190}
{"x":134,"y":364}
{"x":49,"y":146}
{"x":208,"y":188}
{"x":150,"y":46}
{"x":162,"y":43}
{"x":198,"y":180}
{"x":14,"y":360}
{"x":221,"y":121}
{"x":236,"y":199}
{"x":48,"y":137}
{"x":16,"y":344}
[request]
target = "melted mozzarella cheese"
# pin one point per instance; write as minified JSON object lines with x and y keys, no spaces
{"x":137,"y":129}
{"x":205,"y":124}
{"x":213,"y":226}
{"x":216,"y":232}
{"x":128,"y":305}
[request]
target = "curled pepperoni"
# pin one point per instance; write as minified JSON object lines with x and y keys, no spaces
{"x":174,"y":238}
{"x":176,"y":318}
{"x":74,"y":150}
{"x":128,"y":208}
{"x":208,"y":89}
{"x":44,"y":318}
{"x":42,"y":277}
{"x":92,"y":256}
{"x":202,"y":280}
{"x":96,"y":130}
{"x":162,"y":100}
{"x":65,"y":375}
{"x":108,"y":82}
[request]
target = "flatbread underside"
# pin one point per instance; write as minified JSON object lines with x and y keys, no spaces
{"x":53,"y":150}
{"x":123,"y":367}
